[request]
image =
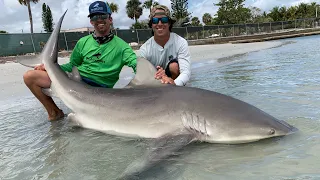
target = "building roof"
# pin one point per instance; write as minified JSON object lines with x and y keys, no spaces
{"x":84,"y":29}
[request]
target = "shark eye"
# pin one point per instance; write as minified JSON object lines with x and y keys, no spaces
{"x":272,"y":131}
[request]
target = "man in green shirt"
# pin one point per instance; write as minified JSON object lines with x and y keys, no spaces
{"x":99,"y":58}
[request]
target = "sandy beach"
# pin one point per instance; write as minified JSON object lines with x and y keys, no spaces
{"x":218,"y":51}
{"x":12,"y":84}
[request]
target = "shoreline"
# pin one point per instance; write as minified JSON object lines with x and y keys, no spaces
{"x":216,"y":52}
{"x":197,"y":52}
{"x":244,"y":39}
{"x":11,"y":78}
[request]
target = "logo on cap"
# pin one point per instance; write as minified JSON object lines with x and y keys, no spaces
{"x":96,"y":5}
{"x":99,"y":7}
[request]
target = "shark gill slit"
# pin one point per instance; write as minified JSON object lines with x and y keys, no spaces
{"x":193,"y":122}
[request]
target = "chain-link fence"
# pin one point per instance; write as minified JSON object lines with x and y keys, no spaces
{"x":193,"y":33}
{"x":18,"y":44}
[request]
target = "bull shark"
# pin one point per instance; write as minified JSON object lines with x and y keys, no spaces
{"x":173,"y":116}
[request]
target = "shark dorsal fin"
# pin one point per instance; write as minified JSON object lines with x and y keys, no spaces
{"x":144,"y":75}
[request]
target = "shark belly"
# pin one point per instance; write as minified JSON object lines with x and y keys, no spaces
{"x":115,"y":123}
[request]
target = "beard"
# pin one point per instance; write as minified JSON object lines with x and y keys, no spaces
{"x":101,"y":27}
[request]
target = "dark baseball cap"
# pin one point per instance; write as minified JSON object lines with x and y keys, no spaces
{"x":99,"y":7}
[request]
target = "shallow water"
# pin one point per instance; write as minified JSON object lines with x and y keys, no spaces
{"x":282,"y":81}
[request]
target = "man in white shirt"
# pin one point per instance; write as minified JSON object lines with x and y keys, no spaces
{"x":166,"y":50}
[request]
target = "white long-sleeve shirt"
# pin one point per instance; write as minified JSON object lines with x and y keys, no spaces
{"x":176,"y":48}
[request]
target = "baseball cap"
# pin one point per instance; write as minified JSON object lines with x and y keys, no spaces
{"x":99,"y":7}
{"x":165,"y":9}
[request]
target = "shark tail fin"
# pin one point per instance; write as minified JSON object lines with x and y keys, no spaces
{"x":29,"y":61}
{"x":32,"y":61}
{"x":144,"y":75}
{"x":51,"y":47}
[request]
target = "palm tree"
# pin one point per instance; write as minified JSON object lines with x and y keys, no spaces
{"x":207,"y":19}
{"x":195,"y":21}
{"x":312,"y":9}
{"x":27,"y":3}
{"x":275,"y":14}
{"x":302,"y":10}
{"x":134,"y":9}
{"x":149,"y":4}
{"x":283,"y":13}
{"x":114,"y":7}
{"x":292,"y":13}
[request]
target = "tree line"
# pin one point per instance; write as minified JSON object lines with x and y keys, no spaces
{"x":229,"y":12}
{"x":235,"y":12}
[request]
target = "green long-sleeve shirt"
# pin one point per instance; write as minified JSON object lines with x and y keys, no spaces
{"x":101,"y":63}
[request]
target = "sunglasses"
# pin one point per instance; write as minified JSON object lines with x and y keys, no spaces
{"x":162,"y":19}
{"x":96,"y":17}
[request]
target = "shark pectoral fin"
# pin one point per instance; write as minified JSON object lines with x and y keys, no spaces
{"x":29,"y":61}
{"x":162,"y":148}
{"x":144,"y":75}
{"x":75,"y":75}
{"x":48,"y":92}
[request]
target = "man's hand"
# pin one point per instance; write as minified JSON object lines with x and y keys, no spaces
{"x":167,"y":80}
{"x":40,"y":67}
{"x":160,"y":73}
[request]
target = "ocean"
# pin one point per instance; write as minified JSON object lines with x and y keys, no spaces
{"x":283,"y":81}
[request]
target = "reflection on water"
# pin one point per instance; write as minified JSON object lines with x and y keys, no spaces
{"x":282,"y":81}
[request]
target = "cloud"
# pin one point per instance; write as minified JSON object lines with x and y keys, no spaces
{"x":75,"y":18}
{"x":267,"y":5}
{"x":14,"y":17}
{"x":2,"y":9}
{"x":297,"y":2}
{"x":199,"y":9}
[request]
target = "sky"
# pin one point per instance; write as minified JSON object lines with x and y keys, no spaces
{"x":14,"y":17}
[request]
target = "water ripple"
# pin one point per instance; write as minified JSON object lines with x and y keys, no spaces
{"x":282,"y":81}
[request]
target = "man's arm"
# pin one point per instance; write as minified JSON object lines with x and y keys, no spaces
{"x":184,"y":64}
{"x":143,"y":51}
{"x":130,"y":58}
{"x":76,"y":59}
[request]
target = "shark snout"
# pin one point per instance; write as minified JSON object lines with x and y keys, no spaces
{"x":282,"y":128}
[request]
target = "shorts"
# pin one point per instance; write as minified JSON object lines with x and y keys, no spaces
{"x":92,"y":83}
{"x":168,"y":73}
